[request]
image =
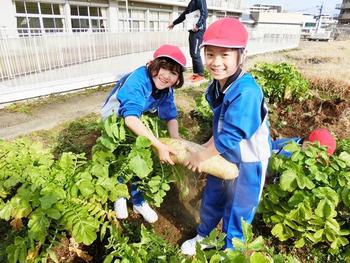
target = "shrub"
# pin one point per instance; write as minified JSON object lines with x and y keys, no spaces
{"x":281,"y":82}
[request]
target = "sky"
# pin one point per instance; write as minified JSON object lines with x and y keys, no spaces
{"x":305,"y":6}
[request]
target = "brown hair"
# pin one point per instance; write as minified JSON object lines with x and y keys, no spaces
{"x":169,"y":64}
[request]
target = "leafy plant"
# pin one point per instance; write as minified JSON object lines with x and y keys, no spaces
{"x":249,"y":250}
{"x":310,"y":202}
{"x":151,"y":248}
{"x":281,"y":82}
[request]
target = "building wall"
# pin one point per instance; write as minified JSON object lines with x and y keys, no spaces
{"x":7,"y":14}
{"x":52,"y":16}
{"x":344,"y":15}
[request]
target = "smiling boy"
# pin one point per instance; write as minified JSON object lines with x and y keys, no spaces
{"x":240,"y":135}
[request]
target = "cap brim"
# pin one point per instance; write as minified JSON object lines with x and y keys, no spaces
{"x":220,"y":43}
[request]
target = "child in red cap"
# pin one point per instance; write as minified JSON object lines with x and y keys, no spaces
{"x":323,"y":136}
{"x":149,"y":88}
{"x":240,"y":135}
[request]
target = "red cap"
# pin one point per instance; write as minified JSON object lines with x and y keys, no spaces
{"x":172,"y":52}
{"x":226,"y":32}
{"x":325,"y":138}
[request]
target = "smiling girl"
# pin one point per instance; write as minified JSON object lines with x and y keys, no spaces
{"x":149,"y":88}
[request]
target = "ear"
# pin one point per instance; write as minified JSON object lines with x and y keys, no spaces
{"x":242,"y":57}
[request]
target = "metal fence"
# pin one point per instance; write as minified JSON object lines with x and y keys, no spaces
{"x":47,"y":63}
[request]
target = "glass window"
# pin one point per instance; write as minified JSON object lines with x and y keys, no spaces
{"x":20,"y":7}
{"x":22,"y":22}
{"x":56,"y":9}
{"x":45,"y":8}
{"x":75,"y":23}
{"x":95,"y":23}
{"x":83,"y":11}
{"x":32,"y":8}
{"x":93,"y":11}
{"x":74,"y":10}
{"x":49,"y":22}
{"x":84,"y":23}
{"x":58,"y":23}
{"x":34,"y":22}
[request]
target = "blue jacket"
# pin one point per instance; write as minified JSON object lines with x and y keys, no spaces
{"x":194,"y":5}
{"x":240,"y":125}
{"x":135,"y":93}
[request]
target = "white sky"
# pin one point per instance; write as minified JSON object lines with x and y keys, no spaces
{"x":308,"y":6}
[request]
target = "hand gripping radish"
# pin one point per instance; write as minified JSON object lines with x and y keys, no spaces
{"x":216,"y":166}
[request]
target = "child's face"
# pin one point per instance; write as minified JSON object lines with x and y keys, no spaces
{"x":221,"y":62}
{"x":165,"y":78}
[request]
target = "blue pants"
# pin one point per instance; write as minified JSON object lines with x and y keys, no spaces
{"x":195,"y":40}
{"x":232,"y":200}
{"x":136,"y":195}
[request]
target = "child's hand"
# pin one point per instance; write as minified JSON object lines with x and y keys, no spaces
{"x":195,"y":161}
{"x":164,"y":152}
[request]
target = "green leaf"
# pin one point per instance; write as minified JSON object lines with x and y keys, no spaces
{"x":54,"y":213}
{"x":257,"y":244}
{"x":282,"y":232}
{"x":344,"y":156}
{"x":300,"y":243}
{"x":325,"y":209}
{"x":140,"y":167}
{"x":38,"y":225}
{"x":288,"y":181}
{"x":247,"y":231}
{"x":258,"y":257}
{"x":142,"y":142}
{"x":84,"y":230}
{"x":86,"y":188}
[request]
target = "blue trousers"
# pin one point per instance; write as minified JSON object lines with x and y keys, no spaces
{"x":136,"y":195}
{"x":195,"y":40}
{"x":232,"y":200}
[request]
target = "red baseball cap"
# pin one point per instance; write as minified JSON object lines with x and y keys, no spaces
{"x":172,"y":52}
{"x":325,"y":138}
{"x":226,"y":32}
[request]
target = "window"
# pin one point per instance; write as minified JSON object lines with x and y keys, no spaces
{"x":85,"y":18}
{"x":159,"y":20}
{"x":35,"y":18}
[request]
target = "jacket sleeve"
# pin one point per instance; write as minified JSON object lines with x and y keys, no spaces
{"x":132,"y":96}
{"x":241,"y":120}
{"x":182,"y":17}
{"x":167,"y":109}
{"x":202,"y":6}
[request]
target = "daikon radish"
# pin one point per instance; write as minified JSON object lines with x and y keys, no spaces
{"x":216,"y":166}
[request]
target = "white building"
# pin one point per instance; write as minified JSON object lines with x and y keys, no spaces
{"x":50,"y":16}
{"x":313,"y":24}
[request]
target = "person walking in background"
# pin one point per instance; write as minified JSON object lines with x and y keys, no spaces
{"x":149,"y":88}
{"x":195,"y":14}
{"x":240,"y":134}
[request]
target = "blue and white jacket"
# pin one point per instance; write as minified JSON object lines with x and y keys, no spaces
{"x":135,"y":93}
{"x":240,"y":123}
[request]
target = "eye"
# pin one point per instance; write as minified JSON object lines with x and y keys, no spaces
{"x":174,"y":73}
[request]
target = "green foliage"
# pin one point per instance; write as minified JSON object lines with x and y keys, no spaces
{"x":249,"y":250}
{"x":132,"y":159}
{"x":203,"y":109}
{"x":281,"y":82}
{"x":151,"y":248}
{"x":41,"y":196}
{"x":310,"y":203}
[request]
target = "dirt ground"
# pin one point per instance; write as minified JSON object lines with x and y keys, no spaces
{"x":178,"y":218}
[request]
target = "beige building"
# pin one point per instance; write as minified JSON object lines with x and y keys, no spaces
{"x":52,"y":16}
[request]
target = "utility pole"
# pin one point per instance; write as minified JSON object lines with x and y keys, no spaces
{"x":319,"y":17}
